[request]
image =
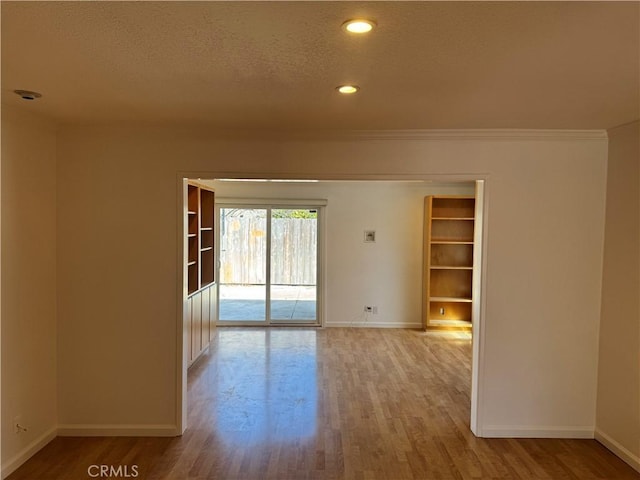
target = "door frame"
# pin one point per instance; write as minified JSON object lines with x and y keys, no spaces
{"x":269,"y":205}
{"x":479,"y":308}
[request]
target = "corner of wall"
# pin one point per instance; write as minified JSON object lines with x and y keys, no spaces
{"x":624,"y":453}
{"x":11,"y":465}
{"x":29,"y":284}
{"x":618,"y":376}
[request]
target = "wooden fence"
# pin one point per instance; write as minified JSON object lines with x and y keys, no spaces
{"x":243,"y":245}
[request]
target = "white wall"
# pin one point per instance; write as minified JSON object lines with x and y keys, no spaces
{"x":387,"y":273}
{"x":618,"y":409}
{"x":118,"y":248}
{"x":28,"y":217}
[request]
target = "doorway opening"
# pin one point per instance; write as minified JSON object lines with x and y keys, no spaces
{"x":374,"y":278}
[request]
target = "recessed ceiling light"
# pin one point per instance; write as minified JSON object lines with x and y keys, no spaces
{"x":348,"y":89}
{"x":359,"y":25}
{"x":27,"y":95}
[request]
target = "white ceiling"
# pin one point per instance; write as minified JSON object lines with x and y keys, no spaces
{"x":573,"y":65}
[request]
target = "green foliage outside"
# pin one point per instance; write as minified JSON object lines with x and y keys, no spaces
{"x":294,"y":213}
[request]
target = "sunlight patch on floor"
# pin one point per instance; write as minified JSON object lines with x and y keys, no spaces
{"x":452,"y":334}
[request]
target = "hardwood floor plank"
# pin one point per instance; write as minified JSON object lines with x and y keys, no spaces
{"x":332,"y":404}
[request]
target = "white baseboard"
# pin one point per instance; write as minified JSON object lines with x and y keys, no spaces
{"x":518,"y":431}
{"x":85,"y":431}
{"x":360,"y":324}
{"x":629,"y":457}
{"x":29,"y":451}
{"x":78,"y":430}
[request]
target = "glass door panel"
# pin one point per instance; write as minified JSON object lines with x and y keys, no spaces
{"x":293,"y":267}
{"x":243,"y":265}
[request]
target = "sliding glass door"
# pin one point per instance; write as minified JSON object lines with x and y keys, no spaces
{"x":268,"y":272}
{"x":294,"y":272}
{"x":243,"y":265}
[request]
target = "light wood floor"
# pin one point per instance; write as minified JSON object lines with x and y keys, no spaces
{"x":330,"y":404}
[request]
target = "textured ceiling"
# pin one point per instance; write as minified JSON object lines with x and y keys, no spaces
{"x":275,"y":64}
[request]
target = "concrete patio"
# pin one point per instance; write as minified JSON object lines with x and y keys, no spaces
{"x":240,"y":303}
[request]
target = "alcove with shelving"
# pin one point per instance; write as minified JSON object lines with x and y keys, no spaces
{"x":206,"y":237}
{"x":449,"y":225}
{"x":200,"y":238}
{"x":193,"y":228}
{"x":200,"y":266}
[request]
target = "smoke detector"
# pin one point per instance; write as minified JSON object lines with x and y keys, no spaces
{"x":27,"y":94}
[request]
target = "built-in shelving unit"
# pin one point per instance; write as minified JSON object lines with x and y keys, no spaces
{"x":448,"y":262}
{"x":200,"y":237}
{"x":201,"y":298}
{"x":193,"y":226}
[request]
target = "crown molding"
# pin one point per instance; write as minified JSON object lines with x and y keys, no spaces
{"x":484,"y":134}
{"x":304,"y":134}
{"x":410,"y":135}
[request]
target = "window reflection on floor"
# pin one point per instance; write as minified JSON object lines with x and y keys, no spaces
{"x":265,"y":385}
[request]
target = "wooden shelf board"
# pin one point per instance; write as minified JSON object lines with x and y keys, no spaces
{"x":206,"y":229}
{"x":206,"y":249}
{"x":449,"y":241}
{"x":435,"y":322}
{"x":191,"y":212}
{"x":448,"y":267}
{"x":192,"y":235}
{"x":450,"y":299}
{"x":453,"y":218}
{"x":191,"y":264}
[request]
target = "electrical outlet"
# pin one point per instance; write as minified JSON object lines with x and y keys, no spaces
{"x":17,"y":424}
{"x":441,"y":310}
